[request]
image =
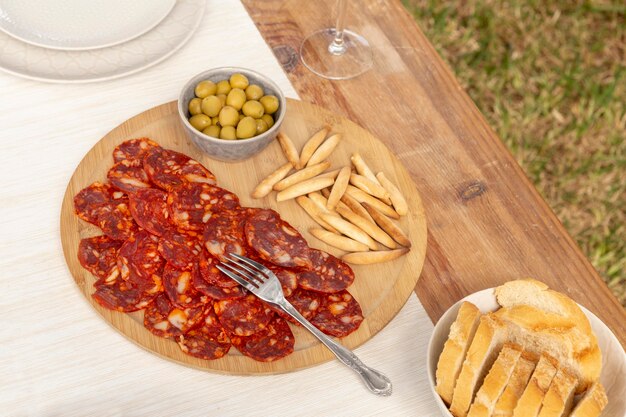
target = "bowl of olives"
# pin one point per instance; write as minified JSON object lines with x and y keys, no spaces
{"x":231,"y":113}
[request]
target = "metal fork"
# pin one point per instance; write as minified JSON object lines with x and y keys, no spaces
{"x":262,"y":282}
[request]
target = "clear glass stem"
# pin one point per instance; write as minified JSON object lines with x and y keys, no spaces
{"x":338,"y":46}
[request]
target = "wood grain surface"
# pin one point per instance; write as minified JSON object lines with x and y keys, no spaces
{"x":381,"y":289}
{"x":487,"y":223}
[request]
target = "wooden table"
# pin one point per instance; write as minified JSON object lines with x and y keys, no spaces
{"x":486,"y":222}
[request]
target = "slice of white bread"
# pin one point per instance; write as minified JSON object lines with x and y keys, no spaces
{"x":495,"y":381}
{"x":536,"y":294}
{"x":488,"y":340}
{"x":539,"y":332}
{"x":592,"y":403}
{"x":530,"y":402}
{"x":559,"y":399}
{"x":516,"y":385}
{"x":451,"y":358}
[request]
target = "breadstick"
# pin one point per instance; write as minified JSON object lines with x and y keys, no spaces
{"x":368,"y":227}
{"x":361,"y":196}
{"x":372,"y":188}
{"x":349,"y":230}
{"x":355,"y":206}
{"x":312,"y":144}
{"x":299,"y":176}
{"x":373,"y":257}
{"x":302,"y":188}
{"x":338,"y":241}
{"x":289,"y":149}
{"x":324,"y":150}
{"x":339,"y":187}
{"x":314,"y":211}
{"x":397,"y":199}
{"x":362,"y":168}
{"x":320,"y":201}
{"x":265,"y":186}
{"x":388,"y":226}
{"x":330,"y":174}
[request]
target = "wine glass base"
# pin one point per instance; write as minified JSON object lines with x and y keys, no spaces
{"x":354,"y":61}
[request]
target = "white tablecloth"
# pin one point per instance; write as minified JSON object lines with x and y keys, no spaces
{"x":57,"y":356}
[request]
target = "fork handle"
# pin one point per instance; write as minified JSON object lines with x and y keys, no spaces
{"x":374,"y":380}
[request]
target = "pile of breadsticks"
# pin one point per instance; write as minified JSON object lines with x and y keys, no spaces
{"x":353,"y":206}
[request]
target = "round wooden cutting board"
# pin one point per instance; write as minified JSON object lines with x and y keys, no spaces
{"x":381,"y":289}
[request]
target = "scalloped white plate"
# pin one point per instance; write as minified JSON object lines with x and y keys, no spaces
{"x":44,"y":64}
{"x":80,"y":24}
{"x":613,"y":375}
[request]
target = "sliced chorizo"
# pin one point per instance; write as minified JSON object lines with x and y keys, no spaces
{"x":276,"y":241}
{"x":128,"y":177}
{"x":149,"y":208}
{"x":338,"y":315}
{"x":181,"y":248}
{"x":133,"y":150}
{"x":89,"y":202}
{"x":329,"y":274}
{"x":170,"y":169}
{"x":192,"y":205}
{"x":179,"y":288}
{"x":213,"y":291}
{"x":164,"y":319}
{"x":98,"y":255}
{"x":243,"y":316}
{"x":273,"y":342}
{"x":208,"y":341}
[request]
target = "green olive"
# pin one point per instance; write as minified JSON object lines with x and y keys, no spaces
{"x":246,"y":128}
{"x":195,"y":106}
{"x":270,"y":103}
{"x":268,"y":119}
{"x":253,"y":109}
{"x":239,"y":81}
{"x":228,"y":132}
{"x":212,"y":131}
{"x":254,"y":92}
{"x":205,"y":88}
{"x":261,"y":126}
{"x":223,"y":87}
{"x":228,"y":116}
{"x":236,"y":98}
{"x":211,"y":106}
{"x":215,"y":121}
{"x":200,"y":121}
{"x":241,"y":116}
{"x":222,"y":98}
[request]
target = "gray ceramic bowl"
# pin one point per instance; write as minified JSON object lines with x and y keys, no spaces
{"x":231,"y":150}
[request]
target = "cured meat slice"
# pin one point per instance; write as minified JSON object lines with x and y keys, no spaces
{"x":133,"y":150}
{"x":89,"y":201}
{"x":328,"y":275}
{"x":306,"y":302}
{"x":212,"y":275}
{"x":208,"y":341}
{"x":169,"y":169}
{"x":338,"y":315}
{"x":274,"y":342}
{"x":123,"y":295}
{"x":179,"y":288}
{"x":98,"y":255}
{"x":139,"y":257}
{"x":224,"y":233}
{"x":214,"y":291}
{"x":128,"y":177}
{"x":181,"y":249}
{"x":193,"y":204}
{"x":166,"y":320}
{"x":243,"y":316}
{"x":276,"y":241}
{"x":149,"y":209}
{"x":116,"y":221}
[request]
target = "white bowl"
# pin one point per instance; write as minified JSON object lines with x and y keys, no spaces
{"x":613,"y":375}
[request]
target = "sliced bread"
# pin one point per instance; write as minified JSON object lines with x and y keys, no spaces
{"x":495,"y":381}
{"x":516,"y":385}
{"x":539,"y":331}
{"x":530,"y":402}
{"x":488,"y":340}
{"x":451,"y":358}
{"x":592,"y":403}
{"x":559,"y":399}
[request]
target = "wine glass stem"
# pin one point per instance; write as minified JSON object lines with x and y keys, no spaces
{"x":338,"y":46}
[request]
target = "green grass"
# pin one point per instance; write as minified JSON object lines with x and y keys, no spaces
{"x":550,"y":77}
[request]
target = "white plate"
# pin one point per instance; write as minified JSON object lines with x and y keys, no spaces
{"x":613,"y":375}
{"x":45,"y":64}
{"x":80,"y":24}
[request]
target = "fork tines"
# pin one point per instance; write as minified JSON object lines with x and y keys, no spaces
{"x":244,"y":271}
